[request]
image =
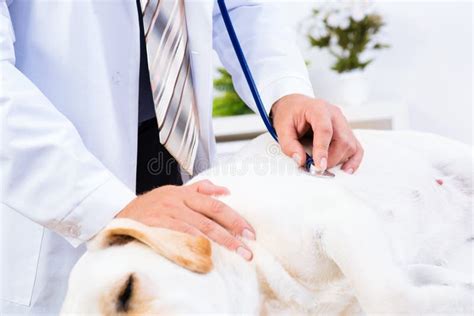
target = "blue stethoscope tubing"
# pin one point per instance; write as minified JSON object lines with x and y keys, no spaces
{"x":248,"y":76}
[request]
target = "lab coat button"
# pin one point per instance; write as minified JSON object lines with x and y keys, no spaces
{"x":73,"y":231}
{"x":116,"y":78}
{"x":69,"y":230}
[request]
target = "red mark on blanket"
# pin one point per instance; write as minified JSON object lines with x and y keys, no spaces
{"x":439,"y":181}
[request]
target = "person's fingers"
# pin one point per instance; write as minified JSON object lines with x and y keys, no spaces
{"x":174,"y":224}
{"x":341,"y":149}
{"x":208,"y":188}
{"x":220,"y":213}
{"x":216,"y":233}
{"x":290,"y":144}
{"x":351,"y":165}
{"x":322,"y":134}
{"x":344,"y":143}
{"x":337,"y":153}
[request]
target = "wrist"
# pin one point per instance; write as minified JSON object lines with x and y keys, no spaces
{"x":128,"y":209}
{"x":288,"y":99}
{"x":278,"y":104}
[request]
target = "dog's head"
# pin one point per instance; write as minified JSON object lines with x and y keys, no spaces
{"x":131,"y":268}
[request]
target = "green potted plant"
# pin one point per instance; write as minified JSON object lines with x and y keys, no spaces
{"x":227,"y":102}
{"x":350,"y":31}
{"x":233,"y":120}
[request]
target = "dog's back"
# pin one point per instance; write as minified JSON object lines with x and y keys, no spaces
{"x":406,"y":180}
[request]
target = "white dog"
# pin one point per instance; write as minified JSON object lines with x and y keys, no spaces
{"x":396,"y":237}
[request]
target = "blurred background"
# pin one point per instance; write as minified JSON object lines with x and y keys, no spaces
{"x":388,"y":64}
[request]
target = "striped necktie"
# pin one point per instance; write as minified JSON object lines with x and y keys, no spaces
{"x":171,"y":81}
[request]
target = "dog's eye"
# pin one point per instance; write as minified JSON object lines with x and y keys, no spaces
{"x":125,"y":295}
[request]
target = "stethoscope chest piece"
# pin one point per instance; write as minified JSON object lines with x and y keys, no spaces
{"x":320,"y":174}
{"x":311,"y":169}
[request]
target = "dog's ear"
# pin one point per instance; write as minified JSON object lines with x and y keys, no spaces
{"x":190,"y":252}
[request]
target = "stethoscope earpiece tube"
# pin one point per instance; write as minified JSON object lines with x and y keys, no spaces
{"x":245,"y":68}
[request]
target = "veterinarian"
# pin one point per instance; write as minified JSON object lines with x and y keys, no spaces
{"x":105,"y":100}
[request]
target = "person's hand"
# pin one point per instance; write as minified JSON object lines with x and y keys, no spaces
{"x":192,"y":209}
{"x":333,"y":141}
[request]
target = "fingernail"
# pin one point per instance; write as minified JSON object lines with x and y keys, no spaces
{"x":350,"y":171}
{"x":248,"y":234}
{"x":296,"y":158}
{"x":313,"y":170}
{"x":244,"y":253}
{"x":323,"y":164}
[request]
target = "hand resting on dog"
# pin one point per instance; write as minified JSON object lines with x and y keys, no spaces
{"x":192,"y":209}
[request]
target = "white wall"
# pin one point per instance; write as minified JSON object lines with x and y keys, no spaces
{"x":428,"y":67}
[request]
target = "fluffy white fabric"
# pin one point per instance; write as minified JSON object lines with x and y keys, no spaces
{"x":389,"y":239}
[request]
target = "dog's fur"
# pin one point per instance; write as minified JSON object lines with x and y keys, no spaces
{"x":396,"y":237}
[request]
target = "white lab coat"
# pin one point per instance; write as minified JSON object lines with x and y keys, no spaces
{"x":68,"y":97}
